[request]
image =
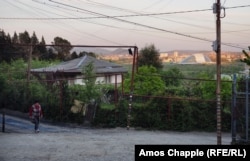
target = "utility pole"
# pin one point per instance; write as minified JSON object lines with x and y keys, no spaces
{"x":134,"y":69}
{"x":29,"y":63}
{"x":218,"y":62}
{"x":217,"y":49}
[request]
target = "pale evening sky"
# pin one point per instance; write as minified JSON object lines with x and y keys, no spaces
{"x":168,"y":24}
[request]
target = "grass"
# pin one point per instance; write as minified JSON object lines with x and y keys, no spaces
{"x":192,"y":70}
{"x":107,"y":106}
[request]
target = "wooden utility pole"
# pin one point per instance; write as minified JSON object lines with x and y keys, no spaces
{"x":29,"y":63}
{"x":134,"y":69}
{"x":217,"y":48}
{"x":28,"y":70}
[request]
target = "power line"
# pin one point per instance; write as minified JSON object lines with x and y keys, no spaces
{"x":133,"y":15}
{"x":117,"y":18}
{"x":134,"y":23}
{"x":105,"y":16}
{"x":72,"y":18}
{"x":146,"y":26}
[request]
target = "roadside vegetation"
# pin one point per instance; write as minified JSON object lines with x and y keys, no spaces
{"x":164,"y":96}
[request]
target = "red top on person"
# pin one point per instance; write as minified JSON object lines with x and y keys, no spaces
{"x":35,"y":110}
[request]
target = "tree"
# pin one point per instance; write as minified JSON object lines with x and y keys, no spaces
{"x":34,"y":40}
{"x":63,"y":47}
{"x":49,"y":55}
{"x":74,"y":55}
{"x":149,"y":56}
{"x":90,"y":82}
{"x":2,"y":47}
{"x":24,"y":38}
{"x":87,"y":53}
{"x":7,"y":52}
{"x":172,"y":77}
{"x":41,"y":49}
{"x":146,"y":82}
{"x":14,"y":38}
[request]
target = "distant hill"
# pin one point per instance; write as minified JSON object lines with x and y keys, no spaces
{"x":98,"y":51}
{"x":187,"y":51}
{"x":101,"y":51}
{"x":180,"y":52}
{"x":122,"y":51}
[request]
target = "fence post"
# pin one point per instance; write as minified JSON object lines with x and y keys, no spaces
{"x":247,"y":105}
{"x":3,"y":121}
{"x":233,"y":111}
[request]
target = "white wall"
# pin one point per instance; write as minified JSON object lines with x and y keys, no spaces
{"x":111,"y":79}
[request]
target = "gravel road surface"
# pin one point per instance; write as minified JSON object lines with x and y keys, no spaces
{"x":56,"y":143}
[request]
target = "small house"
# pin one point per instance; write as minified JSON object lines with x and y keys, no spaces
{"x":72,"y":71}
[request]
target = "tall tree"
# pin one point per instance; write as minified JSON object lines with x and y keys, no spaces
{"x":2,"y":47}
{"x":34,"y":40}
{"x":6,"y":49}
{"x":8,"y":39}
{"x":42,"y":49}
{"x":42,"y":46}
{"x":24,"y":38}
{"x":14,"y":38}
{"x":92,"y":92}
{"x":150,"y":56}
{"x":15,"y":48}
{"x":63,"y":47}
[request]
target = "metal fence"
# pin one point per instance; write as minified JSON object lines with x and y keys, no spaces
{"x":240,"y":111}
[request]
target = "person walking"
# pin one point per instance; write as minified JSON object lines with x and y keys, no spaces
{"x":35,"y":114}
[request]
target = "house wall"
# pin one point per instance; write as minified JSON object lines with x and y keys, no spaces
{"x":116,"y":79}
{"x":108,"y":79}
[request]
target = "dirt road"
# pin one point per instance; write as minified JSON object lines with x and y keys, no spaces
{"x":55,"y":143}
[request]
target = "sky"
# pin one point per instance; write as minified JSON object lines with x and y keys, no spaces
{"x":167,"y":24}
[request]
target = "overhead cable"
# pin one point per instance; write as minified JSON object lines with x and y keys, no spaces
{"x":105,"y":16}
